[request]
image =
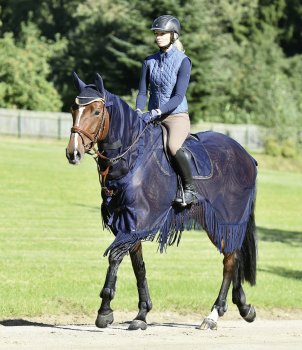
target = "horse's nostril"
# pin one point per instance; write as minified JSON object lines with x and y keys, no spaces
{"x":67,"y":154}
{"x":73,"y":157}
{"x":77,"y":155}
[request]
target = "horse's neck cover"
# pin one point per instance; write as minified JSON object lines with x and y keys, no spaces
{"x":125,"y":125}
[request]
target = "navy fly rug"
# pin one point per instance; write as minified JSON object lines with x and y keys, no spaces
{"x":141,"y":185}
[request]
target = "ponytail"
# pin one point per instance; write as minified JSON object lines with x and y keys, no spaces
{"x":178,"y":45}
{"x":176,"y":42}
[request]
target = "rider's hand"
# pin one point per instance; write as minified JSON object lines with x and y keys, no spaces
{"x":150,"y":116}
{"x":139,"y":112}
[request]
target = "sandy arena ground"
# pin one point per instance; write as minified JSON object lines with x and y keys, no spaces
{"x":270,"y":331}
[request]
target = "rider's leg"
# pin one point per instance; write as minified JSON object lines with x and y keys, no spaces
{"x":178,"y":127}
{"x":183,"y":168}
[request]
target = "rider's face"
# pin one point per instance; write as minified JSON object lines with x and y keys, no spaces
{"x":162,"y":39}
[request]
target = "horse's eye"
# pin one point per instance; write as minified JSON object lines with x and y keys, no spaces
{"x":97,"y":112}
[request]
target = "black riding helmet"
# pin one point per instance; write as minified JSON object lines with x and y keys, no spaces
{"x":166,"y":23}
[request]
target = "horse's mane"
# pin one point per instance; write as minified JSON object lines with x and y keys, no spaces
{"x":118,"y":105}
{"x":125,"y":123}
{"x":125,"y":127}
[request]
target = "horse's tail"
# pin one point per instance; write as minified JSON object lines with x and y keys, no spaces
{"x":248,"y":252}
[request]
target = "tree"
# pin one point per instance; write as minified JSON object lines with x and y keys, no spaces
{"x":245,"y":53}
{"x":290,"y":25}
{"x":24,"y":71}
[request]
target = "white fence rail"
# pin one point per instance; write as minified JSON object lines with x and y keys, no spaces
{"x":57,"y":125}
{"x":35,"y":124}
{"x":248,"y":135}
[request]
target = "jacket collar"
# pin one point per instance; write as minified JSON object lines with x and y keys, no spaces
{"x":169,"y":52}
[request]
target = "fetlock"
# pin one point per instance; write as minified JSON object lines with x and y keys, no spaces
{"x":144,"y":297}
{"x":221,"y":307}
{"x":107,"y":293}
{"x":145,"y":303}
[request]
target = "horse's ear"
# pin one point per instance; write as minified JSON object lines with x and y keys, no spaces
{"x":79,"y":84}
{"x":99,"y":84}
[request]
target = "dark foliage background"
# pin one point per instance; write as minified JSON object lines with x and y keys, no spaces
{"x":246,"y":54}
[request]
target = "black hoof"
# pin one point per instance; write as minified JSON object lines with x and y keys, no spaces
{"x":208,"y":323}
{"x":251,"y":314}
{"x":137,"y":324}
{"x":102,"y":321}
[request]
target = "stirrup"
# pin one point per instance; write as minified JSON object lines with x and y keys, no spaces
{"x":187,"y":195}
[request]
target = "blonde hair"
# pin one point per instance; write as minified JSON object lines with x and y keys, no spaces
{"x":178,"y":45}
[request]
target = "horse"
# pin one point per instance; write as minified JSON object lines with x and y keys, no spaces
{"x":138,"y":185}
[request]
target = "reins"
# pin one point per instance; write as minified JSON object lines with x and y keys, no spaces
{"x":114,"y":160}
{"x":111,"y":161}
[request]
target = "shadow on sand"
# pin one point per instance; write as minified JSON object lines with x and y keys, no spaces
{"x":121,"y":326}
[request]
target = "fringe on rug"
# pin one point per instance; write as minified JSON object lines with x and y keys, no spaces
{"x":200,"y":216}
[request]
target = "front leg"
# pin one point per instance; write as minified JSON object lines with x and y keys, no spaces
{"x":105,"y":313}
{"x":220,"y":306}
{"x":145,"y":303}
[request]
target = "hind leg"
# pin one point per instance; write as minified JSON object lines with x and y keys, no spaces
{"x":247,"y":311}
{"x":105,"y":313}
{"x":145,"y":303}
{"x":220,"y":305}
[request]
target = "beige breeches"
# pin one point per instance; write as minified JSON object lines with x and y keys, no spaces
{"x":178,"y":127}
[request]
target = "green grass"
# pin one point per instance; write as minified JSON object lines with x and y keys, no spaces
{"x":52,"y":242}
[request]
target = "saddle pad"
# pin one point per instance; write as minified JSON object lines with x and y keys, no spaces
{"x":201,"y":164}
{"x":200,"y":161}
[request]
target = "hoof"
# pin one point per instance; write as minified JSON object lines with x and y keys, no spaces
{"x":102,"y":321}
{"x":208,"y":323}
{"x":137,"y":324}
{"x":251,"y":315}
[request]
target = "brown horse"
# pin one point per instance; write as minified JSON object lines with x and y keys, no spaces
{"x":138,"y":187}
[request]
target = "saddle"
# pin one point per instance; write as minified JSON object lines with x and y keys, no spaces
{"x":198,"y":156}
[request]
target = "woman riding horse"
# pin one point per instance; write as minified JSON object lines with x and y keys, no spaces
{"x":138,"y":188}
{"x":167,"y":73}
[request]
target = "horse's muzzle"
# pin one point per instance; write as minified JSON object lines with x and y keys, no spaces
{"x":74,"y":157}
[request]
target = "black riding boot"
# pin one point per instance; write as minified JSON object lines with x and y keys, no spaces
{"x":182,"y":167}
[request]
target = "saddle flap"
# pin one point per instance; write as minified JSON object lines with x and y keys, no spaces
{"x":200,"y":161}
{"x":198,"y":156}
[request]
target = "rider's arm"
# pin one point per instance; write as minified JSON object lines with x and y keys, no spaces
{"x":142,"y":95}
{"x":180,"y":89}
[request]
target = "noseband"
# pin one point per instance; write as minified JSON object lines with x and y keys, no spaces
{"x":100,"y":132}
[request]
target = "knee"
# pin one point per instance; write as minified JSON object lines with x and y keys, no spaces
{"x":115,"y":259}
{"x":172,"y":149}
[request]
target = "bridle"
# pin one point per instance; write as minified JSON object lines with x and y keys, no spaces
{"x":99,"y":133}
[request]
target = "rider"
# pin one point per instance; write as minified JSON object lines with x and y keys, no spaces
{"x":167,"y":74}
